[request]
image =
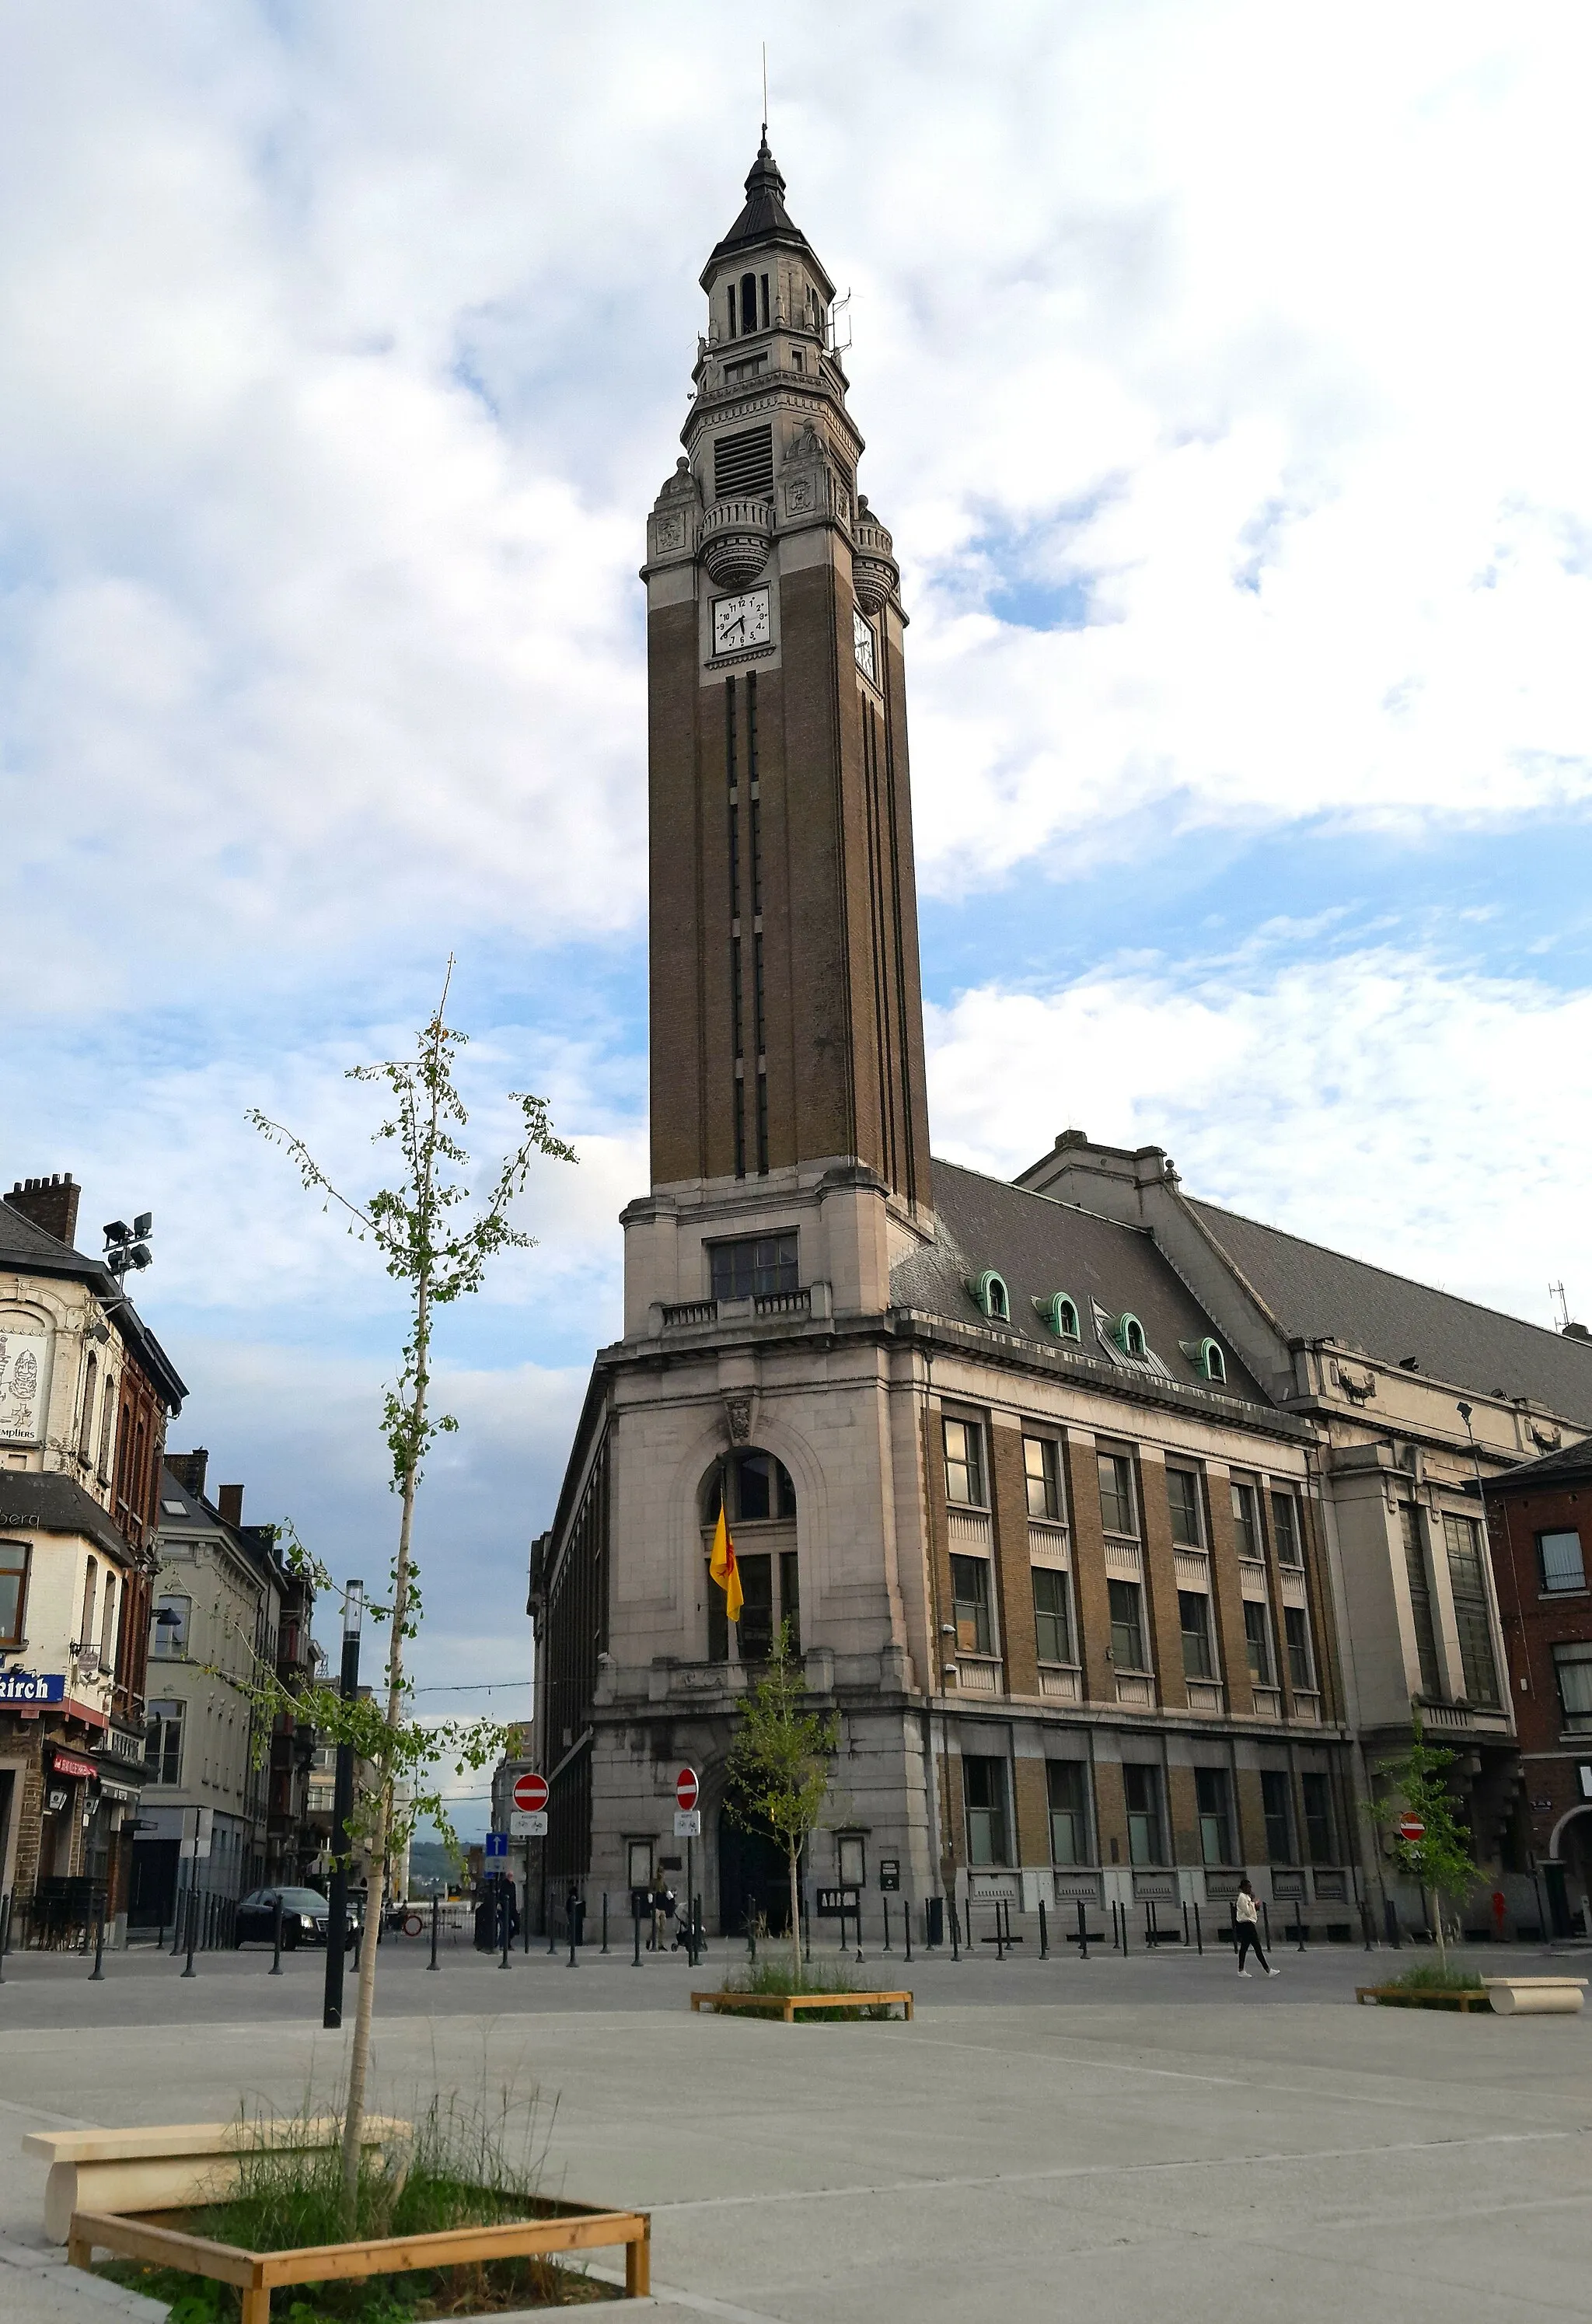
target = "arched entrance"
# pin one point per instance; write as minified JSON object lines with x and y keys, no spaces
{"x":1568,"y":1879}
{"x":754,"y":1879}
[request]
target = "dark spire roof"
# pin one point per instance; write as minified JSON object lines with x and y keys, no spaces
{"x":764,"y":217}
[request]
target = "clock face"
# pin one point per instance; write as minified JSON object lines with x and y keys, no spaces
{"x":862,"y":646}
{"x":740,"y":621}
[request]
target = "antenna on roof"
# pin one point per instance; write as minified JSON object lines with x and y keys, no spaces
{"x":765,"y":89}
{"x":1556,"y":1293}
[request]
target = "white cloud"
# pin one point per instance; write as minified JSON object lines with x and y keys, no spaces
{"x":1381,"y":1103}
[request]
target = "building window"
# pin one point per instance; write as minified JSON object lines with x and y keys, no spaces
{"x":14,"y":1590}
{"x":1572,"y":1667}
{"x":1258,"y":1642}
{"x":107,"y":1628}
{"x":1246,"y":1521}
{"x":756,"y":1267}
{"x":851,"y":1859}
{"x":1183,"y":1494}
{"x":638,"y":1863}
{"x":1286,"y":1530}
{"x":1194,"y":1617}
{"x":983,"y":1793}
{"x":991,"y":1297}
{"x":1116,"y":1510}
{"x":162,"y":1742}
{"x":86,"y":1426}
{"x":1069,"y":1814}
{"x":970,"y":1605}
{"x":1419,"y":1599}
{"x":1558,"y":1556}
{"x":965,"y":1464}
{"x":1129,"y":1336}
{"x":90,"y":1603}
{"x":1128,"y":1627}
{"x":1142,"y":1787}
{"x":1318,"y":1818}
{"x":168,"y":1625}
{"x":1043,"y":1471}
{"x":1053,"y":1630}
{"x":1296,"y":1631}
{"x":1061,"y":1316}
{"x":1213,"y":1799}
{"x":1462,"y":1538}
{"x":1277,"y":1810}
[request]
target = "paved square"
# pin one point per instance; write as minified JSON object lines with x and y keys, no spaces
{"x":1128,"y":2139}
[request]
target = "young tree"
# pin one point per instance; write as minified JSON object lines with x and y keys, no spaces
{"x":1440,"y":1859}
{"x":779,"y":1770}
{"x":436,"y":1243}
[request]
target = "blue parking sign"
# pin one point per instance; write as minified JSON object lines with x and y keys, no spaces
{"x":497,"y":1843}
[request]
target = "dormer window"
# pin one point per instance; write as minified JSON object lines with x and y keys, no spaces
{"x":1060,"y":1314}
{"x":1129,"y":1336}
{"x":991,"y":1292}
{"x":1207,"y":1357}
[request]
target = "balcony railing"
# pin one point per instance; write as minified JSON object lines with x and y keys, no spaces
{"x":690,"y":1311}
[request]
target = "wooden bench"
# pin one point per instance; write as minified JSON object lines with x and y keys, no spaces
{"x":787,"y":2004}
{"x":563,"y":2227}
{"x":174,"y":2165}
{"x":1536,"y":1996}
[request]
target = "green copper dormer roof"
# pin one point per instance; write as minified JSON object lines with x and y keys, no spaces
{"x":765,"y":222}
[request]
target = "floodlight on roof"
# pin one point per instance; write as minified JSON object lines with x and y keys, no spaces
{"x":144,"y":1224}
{"x":117,"y":1231}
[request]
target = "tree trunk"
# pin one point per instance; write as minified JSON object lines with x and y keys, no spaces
{"x":796,"y":1927}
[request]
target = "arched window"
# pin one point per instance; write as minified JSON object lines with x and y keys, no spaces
{"x":1129,"y":1336}
{"x":86,"y":1426}
{"x":990,"y":1292}
{"x":91,"y":1594}
{"x":1207,"y":1357}
{"x":749,"y":303}
{"x":107,"y":1422}
{"x":1061,"y":1316}
{"x":107,"y":1628}
{"x":761,"y":1496}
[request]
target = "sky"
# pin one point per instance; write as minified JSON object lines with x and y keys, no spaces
{"x":1225,"y":375}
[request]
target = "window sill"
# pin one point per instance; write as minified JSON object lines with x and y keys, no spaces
{"x":1061,"y":1682}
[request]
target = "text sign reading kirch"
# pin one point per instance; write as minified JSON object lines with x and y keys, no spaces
{"x":30,"y":1686}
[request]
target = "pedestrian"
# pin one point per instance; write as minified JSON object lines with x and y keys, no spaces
{"x":663,"y":1905}
{"x":1246,"y":1921}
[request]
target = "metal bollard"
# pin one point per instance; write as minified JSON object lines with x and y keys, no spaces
{"x":1043,"y":1933}
{"x":276,"y":1940}
{"x":573,"y":1927}
{"x":1265,"y":1911}
{"x":435,"y":1917}
{"x":956,"y":1929}
{"x":4,"y":1931}
{"x":1125,"y":1932}
{"x":885,"y":1902}
{"x":907,"y":1925}
{"x":1082,"y":1931}
{"x":97,"y":1975}
{"x":1199,"y":1938}
{"x":605,"y":1920}
{"x":1186,"y":1919}
{"x":504,"y":1924}
{"x":1000,"y":1932}
{"x":1300,"y":1910}
{"x":192,"y":1917}
{"x":636,"y":1932}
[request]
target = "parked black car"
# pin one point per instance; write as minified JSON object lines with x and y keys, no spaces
{"x":304,"y":1918}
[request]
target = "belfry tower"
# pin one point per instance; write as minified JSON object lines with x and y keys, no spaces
{"x":787,"y":1016}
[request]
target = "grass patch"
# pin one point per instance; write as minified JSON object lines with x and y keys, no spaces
{"x":773,"y":1977}
{"x":460,"y":2171}
{"x":1436,"y":1976}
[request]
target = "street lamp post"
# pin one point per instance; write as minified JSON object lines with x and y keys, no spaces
{"x":342,"y":1810}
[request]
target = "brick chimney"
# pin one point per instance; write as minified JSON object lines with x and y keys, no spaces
{"x":229,"y":1503}
{"x":189,"y":1469}
{"x":50,"y":1203}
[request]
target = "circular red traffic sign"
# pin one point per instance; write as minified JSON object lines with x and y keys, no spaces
{"x":686,"y":1788}
{"x":1410,"y":1828}
{"x":530,"y":1792}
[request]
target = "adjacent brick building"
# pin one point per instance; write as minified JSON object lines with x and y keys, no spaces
{"x":1539,"y":1530}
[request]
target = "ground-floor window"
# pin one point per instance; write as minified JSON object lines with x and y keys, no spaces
{"x":1317,"y":1794}
{"x":983,"y":1791}
{"x":1276,"y":1809}
{"x":1142,"y":1787}
{"x":1213,"y":1797}
{"x":1069,"y":1811}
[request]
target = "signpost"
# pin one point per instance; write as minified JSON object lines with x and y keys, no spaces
{"x":497,"y":1844}
{"x":528,"y":1820}
{"x":688,"y":1828}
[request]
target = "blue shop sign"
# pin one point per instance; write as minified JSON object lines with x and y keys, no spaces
{"x":28,"y":1686}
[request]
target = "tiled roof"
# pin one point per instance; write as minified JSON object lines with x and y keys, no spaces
{"x":1317,"y":1293}
{"x":1038,"y":1247}
{"x":1567,"y":1466}
{"x":46,"y":1502}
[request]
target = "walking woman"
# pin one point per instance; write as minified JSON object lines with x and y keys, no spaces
{"x":1246,"y":1921}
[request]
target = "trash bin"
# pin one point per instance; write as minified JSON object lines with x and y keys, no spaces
{"x":934,"y":1919}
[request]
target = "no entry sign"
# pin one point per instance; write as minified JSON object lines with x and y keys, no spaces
{"x":686,"y":1788}
{"x":1410,"y":1828}
{"x":530,"y":1792}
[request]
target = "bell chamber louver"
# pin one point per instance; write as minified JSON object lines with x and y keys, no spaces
{"x":743,"y":466}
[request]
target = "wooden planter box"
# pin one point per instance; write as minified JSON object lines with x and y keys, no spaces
{"x":563,"y":2227}
{"x":764,"y":2004}
{"x":1399,"y":1997}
